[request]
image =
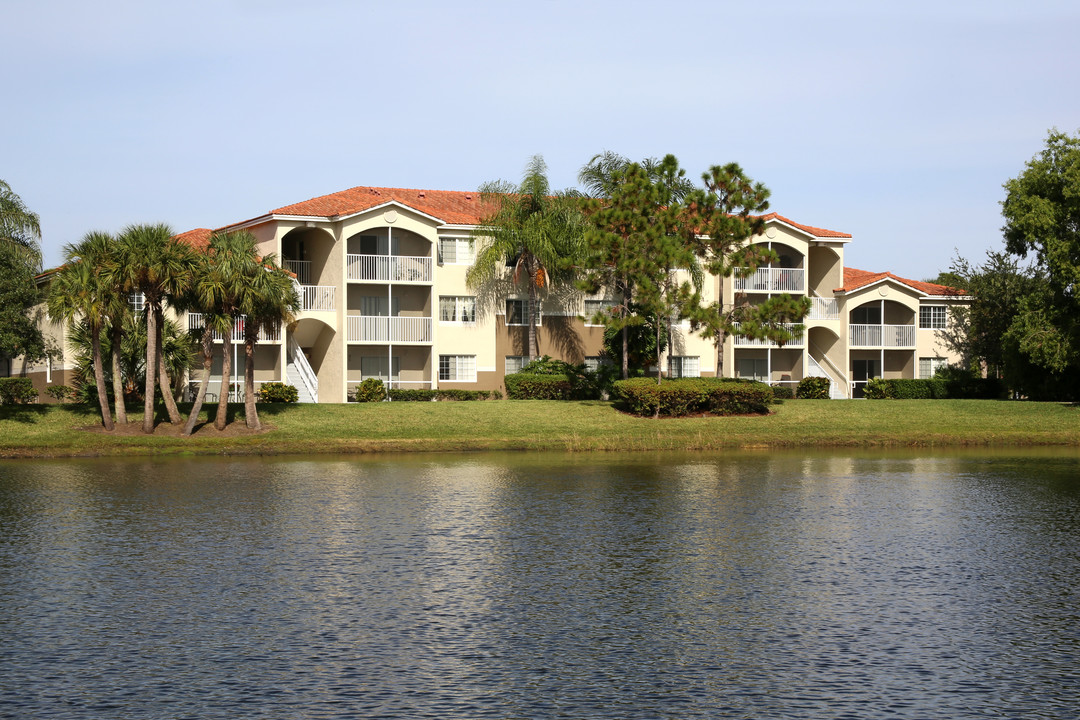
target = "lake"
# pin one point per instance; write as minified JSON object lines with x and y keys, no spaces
{"x":809,"y":585}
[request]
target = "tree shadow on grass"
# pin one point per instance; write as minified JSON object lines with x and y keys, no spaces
{"x":26,"y":414}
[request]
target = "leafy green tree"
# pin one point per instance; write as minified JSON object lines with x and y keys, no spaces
{"x":1042,"y":217}
{"x":20,"y":333}
{"x":530,"y":231}
{"x":150,"y":260}
{"x":20,"y":228}
{"x":651,"y":241}
{"x":80,"y":291}
{"x":269,"y":300}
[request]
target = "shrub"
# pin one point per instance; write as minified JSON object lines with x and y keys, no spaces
{"x":877,"y":389}
{"x":944,"y":385}
{"x":521,"y":386}
{"x":61,"y":393}
{"x":276,"y":392}
{"x":813,"y":388}
{"x":402,"y":395}
{"x":17,"y":390}
{"x":782,"y":392}
{"x":371,"y":390}
{"x":685,"y":396}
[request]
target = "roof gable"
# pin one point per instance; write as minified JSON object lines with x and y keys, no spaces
{"x":451,"y":207}
{"x":855,"y":279}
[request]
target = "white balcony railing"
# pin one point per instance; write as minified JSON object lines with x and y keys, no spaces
{"x":373,"y":329}
{"x":824,"y":309}
{"x":302,"y":269}
{"x":773,"y":280}
{"x":881,"y":336}
{"x":195,"y":322}
{"x":796,"y":341}
{"x":317,"y":297}
{"x":388,"y":268}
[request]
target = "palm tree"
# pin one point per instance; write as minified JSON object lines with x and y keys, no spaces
{"x":19,"y":226}
{"x":206,"y":302}
{"x":269,"y":300}
{"x":151,"y":261}
{"x":80,"y":292}
{"x":534,"y":231}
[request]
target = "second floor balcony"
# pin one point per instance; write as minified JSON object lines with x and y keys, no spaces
{"x":881,"y":336}
{"x":196,"y":322}
{"x":770,"y":279}
{"x":796,"y":341}
{"x":389,"y":268}
{"x":382,"y":329}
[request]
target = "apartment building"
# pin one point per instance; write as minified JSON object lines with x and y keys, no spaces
{"x":381,"y":274}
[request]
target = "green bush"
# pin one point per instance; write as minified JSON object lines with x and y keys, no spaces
{"x":782,"y":392}
{"x":17,"y":390}
{"x":520,"y":386}
{"x":686,"y":396}
{"x":403,"y":395}
{"x":813,"y":388}
{"x":877,"y":389}
{"x":61,"y":393}
{"x":371,"y":390}
{"x":276,"y":392}
{"x":956,"y":385}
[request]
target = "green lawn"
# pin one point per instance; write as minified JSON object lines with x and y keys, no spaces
{"x":39,"y":430}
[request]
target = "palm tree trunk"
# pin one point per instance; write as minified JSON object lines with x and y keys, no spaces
{"x":99,"y":379}
{"x":251,"y":414}
{"x":534,"y":348}
{"x":204,"y":378}
{"x":226,"y":370}
{"x":151,"y":366}
{"x":117,"y":376}
{"x":163,"y":379}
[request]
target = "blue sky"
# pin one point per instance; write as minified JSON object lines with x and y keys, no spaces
{"x":897,"y":123}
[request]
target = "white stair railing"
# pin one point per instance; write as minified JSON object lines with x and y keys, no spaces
{"x":841,"y":394}
{"x":303,"y":367}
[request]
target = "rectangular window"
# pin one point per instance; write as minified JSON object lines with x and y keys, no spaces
{"x":595,"y":307}
{"x":457,"y":368}
{"x":928,"y":366}
{"x":752,"y":369}
{"x":457,"y":309}
{"x":932,"y":317}
{"x":514,"y":363}
{"x":516,"y":310}
{"x":595,"y":362}
{"x":379,"y":366}
{"x":456,"y":251}
{"x":684,"y":366}
{"x":137,"y":301}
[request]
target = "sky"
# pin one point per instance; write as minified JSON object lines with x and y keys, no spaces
{"x":895,"y":122}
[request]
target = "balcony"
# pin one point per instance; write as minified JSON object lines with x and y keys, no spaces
{"x":790,"y":280}
{"x":381,"y":329}
{"x":796,"y":341}
{"x":195,"y":322}
{"x":388,"y":268}
{"x":881,"y":336}
{"x":301,"y":268}
{"x":824,"y":309}
{"x":317,"y":297}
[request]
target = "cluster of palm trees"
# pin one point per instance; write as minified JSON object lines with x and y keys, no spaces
{"x":226,"y":282}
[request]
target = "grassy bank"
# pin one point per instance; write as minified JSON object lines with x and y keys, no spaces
{"x":56,"y":431}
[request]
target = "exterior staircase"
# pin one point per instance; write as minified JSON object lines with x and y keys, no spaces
{"x":815,"y":370}
{"x":300,"y":375}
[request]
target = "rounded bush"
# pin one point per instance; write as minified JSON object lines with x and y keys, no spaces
{"x":371,"y":390}
{"x":276,"y":392}
{"x":813,"y":388}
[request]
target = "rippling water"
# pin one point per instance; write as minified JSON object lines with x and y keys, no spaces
{"x":542,"y":586}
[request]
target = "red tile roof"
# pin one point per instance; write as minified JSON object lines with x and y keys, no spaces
{"x":199,"y":238}
{"x":808,"y":229}
{"x":855,"y":279}
{"x":452,"y":207}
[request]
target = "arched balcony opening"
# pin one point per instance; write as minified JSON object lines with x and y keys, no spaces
{"x":785,"y":275}
{"x":387,"y":254}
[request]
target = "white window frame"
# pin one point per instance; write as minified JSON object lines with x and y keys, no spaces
{"x":936,"y":317}
{"x":598,"y":305}
{"x":594,"y":362}
{"x":462,"y":309}
{"x":454,"y":250}
{"x":933,"y":364}
{"x":136,"y":301}
{"x":457,"y":368}
{"x":684,"y":366}
{"x":514,"y":361}
{"x":524,"y":304}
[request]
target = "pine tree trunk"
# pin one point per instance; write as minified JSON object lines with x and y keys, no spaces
{"x":204,"y":379}
{"x":151,"y":367}
{"x":163,"y":380}
{"x":251,"y":414}
{"x":99,"y":379}
{"x":117,"y":380}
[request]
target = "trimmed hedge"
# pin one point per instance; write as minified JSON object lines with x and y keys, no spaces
{"x":936,"y":388}
{"x":813,"y":388}
{"x":17,"y":390}
{"x":782,"y":392}
{"x":407,"y":395}
{"x":370,"y":390}
{"x":526,"y":386}
{"x":276,"y":392}
{"x":687,"y":396}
